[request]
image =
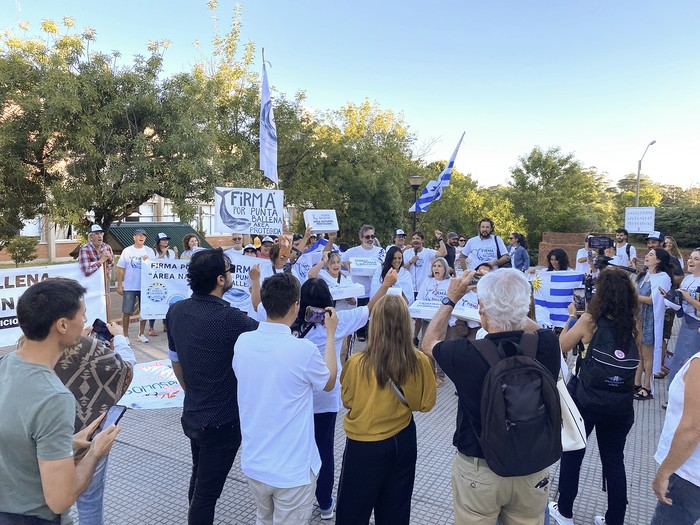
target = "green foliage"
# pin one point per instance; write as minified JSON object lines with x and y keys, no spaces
{"x":553,"y":192}
{"x":682,"y":222}
{"x":22,"y":249}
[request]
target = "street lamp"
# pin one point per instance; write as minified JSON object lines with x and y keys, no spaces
{"x":415,"y":181}
{"x":639,"y":171}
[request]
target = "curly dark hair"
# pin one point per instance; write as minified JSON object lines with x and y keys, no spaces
{"x":616,"y":299}
{"x":664,"y":264}
{"x":561,"y":256}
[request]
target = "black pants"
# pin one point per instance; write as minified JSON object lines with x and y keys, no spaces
{"x":378,"y":475}
{"x":324,"y":432}
{"x":213,"y":453}
{"x":362,"y":332}
{"x":611,"y":433}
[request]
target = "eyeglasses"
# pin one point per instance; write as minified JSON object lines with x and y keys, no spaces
{"x":368,"y":237}
{"x":237,"y":239}
{"x":463,"y":240}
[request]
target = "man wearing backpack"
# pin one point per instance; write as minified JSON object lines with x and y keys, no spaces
{"x":506,"y":438}
{"x":624,"y":250}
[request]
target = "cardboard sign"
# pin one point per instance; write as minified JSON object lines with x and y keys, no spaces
{"x":345,"y":292}
{"x":466,"y":314}
{"x":640,"y":220}
{"x":364,"y":265}
{"x":247,"y":210}
{"x":424,"y":309}
{"x":321,"y":221}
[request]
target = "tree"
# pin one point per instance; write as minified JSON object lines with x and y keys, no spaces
{"x":553,"y":192}
{"x":85,"y":135}
{"x":22,"y":249}
{"x":682,"y":222}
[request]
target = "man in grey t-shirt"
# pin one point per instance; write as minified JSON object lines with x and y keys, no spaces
{"x":39,"y":477}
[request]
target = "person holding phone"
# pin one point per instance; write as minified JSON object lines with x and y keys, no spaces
{"x":381,"y":388}
{"x":315,"y":294}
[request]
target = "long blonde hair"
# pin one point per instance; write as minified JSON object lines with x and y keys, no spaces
{"x":390,"y":352}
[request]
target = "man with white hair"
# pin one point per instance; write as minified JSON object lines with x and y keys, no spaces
{"x":94,"y":254}
{"x":480,"y":495}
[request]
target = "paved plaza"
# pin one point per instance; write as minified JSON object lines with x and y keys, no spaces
{"x":149,"y":466}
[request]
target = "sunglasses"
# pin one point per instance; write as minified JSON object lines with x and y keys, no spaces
{"x":463,"y":240}
{"x":368,"y":237}
{"x":511,"y":238}
{"x":237,"y":239}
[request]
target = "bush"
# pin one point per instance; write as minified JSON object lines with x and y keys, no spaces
{"x":22,"y":249}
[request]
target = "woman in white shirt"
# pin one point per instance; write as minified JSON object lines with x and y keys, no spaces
{"x":329,"y":270}
{"x":394,"y":259}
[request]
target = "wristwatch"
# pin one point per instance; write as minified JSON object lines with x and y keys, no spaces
{"x":447,"y":301}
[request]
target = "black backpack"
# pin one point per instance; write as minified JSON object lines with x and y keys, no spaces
{"x":606,"y":375}
{"x":509,"y":263}
{"x":520,"y":410}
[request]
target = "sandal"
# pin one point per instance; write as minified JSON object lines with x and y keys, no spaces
{"x":637,"y":388}
{"x":644,"y":394}
{"x":152,"y":333}
{"x":661,"y":374}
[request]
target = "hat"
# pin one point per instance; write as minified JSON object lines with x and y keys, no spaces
{"x":452,"y":235}
{"x":163,"y":237}
{"x":139,"y":231}
{"x":655,"y":236}
{"x":96,"y":228}
{"x":399,"y":232}
{"x":248,"y":247}
{"x":267,"y":239}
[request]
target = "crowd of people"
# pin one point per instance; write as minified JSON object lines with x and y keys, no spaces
{"x":272,"y":380}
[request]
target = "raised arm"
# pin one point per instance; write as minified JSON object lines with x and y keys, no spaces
{"x":329,"y":357}
{"x":254,"y":275}
{"x":313,"y":272}
{"x":390,"y":280}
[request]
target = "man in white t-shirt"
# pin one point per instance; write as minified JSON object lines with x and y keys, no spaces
{"x":237,"y":248}
{"x":128,"y":278}
{"x":418,"y":259}
{"x":484,"y":248}
{"x":625,"y":251}
{"x":584,"y":257}
{"x":366,"y":250}
{"x":277,"y":376}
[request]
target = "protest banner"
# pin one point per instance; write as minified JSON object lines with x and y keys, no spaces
{"x":163,"y":282}
{"x":14,"y":281}
{"x":640,"y":220}
{"x":239,"y":294}
{"x":305,"y":262}
{"x":321,"y":221}
{"x":154,"y":386}
{"x":246,"y":210}
{"x":555,"y":291}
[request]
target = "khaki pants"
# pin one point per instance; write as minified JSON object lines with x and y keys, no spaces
{"x":288,"y":506}
{"x":481,"y":497}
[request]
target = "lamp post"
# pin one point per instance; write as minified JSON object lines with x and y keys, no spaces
{"x":415,"y":181}
{"x":639,"y":171}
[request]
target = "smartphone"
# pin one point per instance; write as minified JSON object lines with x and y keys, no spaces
{"x":662,"y":291}
{"x":315,"y":315}
{"x":99,"y":328}
{"x":114,"y":414}
{"x":580,"y":300}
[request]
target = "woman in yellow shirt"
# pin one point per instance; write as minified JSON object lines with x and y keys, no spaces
{"x":381,"y":387}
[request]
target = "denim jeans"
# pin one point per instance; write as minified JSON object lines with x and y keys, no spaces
{"x":686,"y":503}
{"x":91,"y":502}
{"x":213,"y":453}
{"x":324,"y":433}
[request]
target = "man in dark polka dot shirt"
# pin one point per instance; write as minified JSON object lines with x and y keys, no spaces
{"x":202,"y":332}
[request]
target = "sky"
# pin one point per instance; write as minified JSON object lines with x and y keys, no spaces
{"x":598,"y":79}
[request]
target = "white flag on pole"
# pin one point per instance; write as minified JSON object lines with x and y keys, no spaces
{"x":268,"y":133}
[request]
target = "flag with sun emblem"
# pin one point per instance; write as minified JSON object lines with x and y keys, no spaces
{"x":555,"y":291}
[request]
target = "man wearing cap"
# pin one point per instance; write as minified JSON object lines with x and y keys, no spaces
{"x":399,"y":240}
{"x":129,"y":279}
{"x":95,"y":253}
{"x":265,"y":247}
{"x":237,"y":248}
{"x":656,"y":240}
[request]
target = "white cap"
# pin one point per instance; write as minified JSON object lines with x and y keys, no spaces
{"x":162,"y":237}
{"x":267,"y":239}
{"x":96,"y":228}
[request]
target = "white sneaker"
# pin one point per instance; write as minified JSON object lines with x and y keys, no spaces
{"x":554,"y":513}
{"x":599,"y":520}
{"x":328,"y":514}
{"x":142,"y":338}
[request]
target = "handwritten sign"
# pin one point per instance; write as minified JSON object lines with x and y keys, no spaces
{"x":364,"y":265}
{"x":321,"y":221}
{"x":640,"y":220}
{"x":246,"y":210}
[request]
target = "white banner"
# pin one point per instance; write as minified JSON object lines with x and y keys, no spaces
{"x":163,"y":282}
{"x":154,"y":386}
{"x":321,"y":221}
{"x":244,"y":210}
{"x":239,"y":294}
{"x":14,"y":281}
{"x":640,"y":220}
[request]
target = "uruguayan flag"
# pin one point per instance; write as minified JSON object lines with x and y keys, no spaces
{"x":433,"y":190}
{"x":555,"y":291}
{"x":268,"y":133}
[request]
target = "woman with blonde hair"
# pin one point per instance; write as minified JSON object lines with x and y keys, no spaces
{"x":381,"y":387}
{"x":671,"y":246}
